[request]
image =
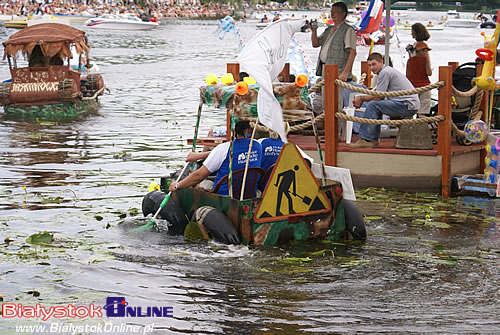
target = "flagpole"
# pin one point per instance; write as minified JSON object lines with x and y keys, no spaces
{"x":248,"y":160}
{"x":387,"y":30}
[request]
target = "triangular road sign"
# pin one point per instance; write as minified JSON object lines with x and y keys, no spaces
{"x":292,"y":189}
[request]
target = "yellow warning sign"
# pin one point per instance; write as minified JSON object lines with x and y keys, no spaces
{"x":291,"y":190}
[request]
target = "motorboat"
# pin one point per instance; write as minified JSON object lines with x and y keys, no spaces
{"x":75,"y":18}
{"x":453,"y":14}
{"x":463,"y":23}
{"x":18,"y":22}
{"x":120,"y":21}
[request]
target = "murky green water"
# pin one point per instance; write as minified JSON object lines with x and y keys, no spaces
{"x":427,"y":266}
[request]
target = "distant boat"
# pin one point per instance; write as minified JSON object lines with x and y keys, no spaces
{"x":75,"y":18}
{"x":452,"y":13}
{"x":120,"y":22}
{"x":439,"y":27}
{"x":463,"y":23}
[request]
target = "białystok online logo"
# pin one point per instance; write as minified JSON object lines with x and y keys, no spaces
{"x":115,"y":307}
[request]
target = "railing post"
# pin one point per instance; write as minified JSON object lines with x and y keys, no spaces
{"x":453,"y":65}
{"x":366,"y":69}
{"x":444,"y":129}
{"x":331,"y":123}
{"x":234,"y":69}
{"x":285,"y":73}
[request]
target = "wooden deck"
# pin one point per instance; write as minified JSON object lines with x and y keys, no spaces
{"x":388,"y":167}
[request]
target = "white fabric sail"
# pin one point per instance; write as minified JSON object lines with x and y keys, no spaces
{"x":263,"y":58}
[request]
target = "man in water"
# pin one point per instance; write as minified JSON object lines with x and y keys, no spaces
{"x":218,"y":160}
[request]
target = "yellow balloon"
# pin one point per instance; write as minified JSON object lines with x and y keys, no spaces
{"x":249,"y":80}
{"x":227,"y":79}
{"x":211,"y":79}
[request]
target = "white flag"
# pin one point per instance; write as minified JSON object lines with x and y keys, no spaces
{"x":263,"y":58}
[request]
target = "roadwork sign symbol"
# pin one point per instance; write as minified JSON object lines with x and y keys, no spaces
{"x":292,"y":189}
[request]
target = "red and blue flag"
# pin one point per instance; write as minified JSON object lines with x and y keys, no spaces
{"x":372,"y":17}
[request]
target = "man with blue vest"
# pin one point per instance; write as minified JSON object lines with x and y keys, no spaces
{"x":218,"y":159}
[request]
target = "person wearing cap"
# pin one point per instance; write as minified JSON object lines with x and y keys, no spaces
{"x":389,"y":79}
{"x":418,"y":68}
{"x":217,"y":160}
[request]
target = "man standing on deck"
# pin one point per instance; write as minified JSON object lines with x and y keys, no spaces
{"x":388,"y":80}
{"x":337,"y":42}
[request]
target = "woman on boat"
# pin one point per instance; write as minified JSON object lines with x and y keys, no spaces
{"x":418,"y":68}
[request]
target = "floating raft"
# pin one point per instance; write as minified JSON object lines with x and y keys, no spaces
{"x":463,"y":183}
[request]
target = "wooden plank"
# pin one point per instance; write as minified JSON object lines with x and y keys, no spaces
{"x":444,"y":129}
{"x":366,"y":69}
{"x":234,"y":69}
{"x":331,"y":123}
{"x":285,"y":73}
{"x":453,"y":65}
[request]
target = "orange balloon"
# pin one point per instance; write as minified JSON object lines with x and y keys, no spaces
{"x":242,"y":88}
{"x":301,"y":80}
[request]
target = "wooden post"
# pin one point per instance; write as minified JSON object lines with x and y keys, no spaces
{"x":444,"y":130}
{"x":366,"y":69}
{"x":331,"y":105}
{"x":453,"y":65}
{"x":234,"y":69}
{"x":285,"y":73}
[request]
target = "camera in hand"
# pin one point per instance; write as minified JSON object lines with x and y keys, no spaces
{"x":410,"y":48}
{"x":314,"y":24}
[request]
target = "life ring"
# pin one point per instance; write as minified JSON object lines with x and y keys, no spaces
{"x":485,"y":54}
{"x":172,"y":213}
{"x":216,"y":225}
{"x":354,"y":222}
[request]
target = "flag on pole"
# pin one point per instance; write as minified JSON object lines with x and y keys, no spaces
{"x":263,"y":58}
{"x":373,"y":17}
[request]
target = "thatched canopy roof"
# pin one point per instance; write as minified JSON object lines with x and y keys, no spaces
{"x":53,"y":38}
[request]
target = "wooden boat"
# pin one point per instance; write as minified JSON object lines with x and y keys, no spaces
{"x":316,"y":207}
{"x":47,"y":86}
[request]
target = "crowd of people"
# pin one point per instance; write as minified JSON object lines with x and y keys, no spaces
{"x":168,"y":9}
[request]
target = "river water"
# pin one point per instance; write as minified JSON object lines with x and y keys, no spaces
{"x":428,"y":265}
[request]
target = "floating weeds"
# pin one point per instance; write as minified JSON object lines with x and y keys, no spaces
{"x":323,"y":253}
{"x":40,"y":238}
{"x":353,"y":263}
{"x":295,"y":260}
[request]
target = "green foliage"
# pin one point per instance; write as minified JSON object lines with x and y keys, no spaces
{"x":41,"y":238}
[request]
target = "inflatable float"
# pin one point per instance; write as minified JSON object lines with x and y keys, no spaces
{"x":313,"y":208}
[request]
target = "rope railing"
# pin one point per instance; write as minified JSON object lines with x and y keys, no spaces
{"x":428,"y":119}
{"x":383,"y":94}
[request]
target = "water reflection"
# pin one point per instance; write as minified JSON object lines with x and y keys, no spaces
{"x":414,"y":274}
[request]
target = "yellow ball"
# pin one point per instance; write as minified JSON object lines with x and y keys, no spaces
{"x":301,"y":80}
{"x":227,"y":79}
{"x":242,"y":88}
{"x":211,"y":79}
{"x":154,"y":187}
{"x":249,"y":80}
